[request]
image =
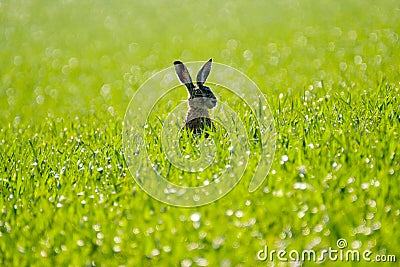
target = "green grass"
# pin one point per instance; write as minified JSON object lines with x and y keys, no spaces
{"x":68,"y":69}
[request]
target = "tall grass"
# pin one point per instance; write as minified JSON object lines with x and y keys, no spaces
{"x":69,"y":68}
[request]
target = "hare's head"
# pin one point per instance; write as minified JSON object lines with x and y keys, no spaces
{"x":200,"y":96}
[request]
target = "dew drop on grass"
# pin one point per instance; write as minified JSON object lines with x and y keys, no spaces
{"x":369,"y":216}
{"x":105,"y":90}
{"x":277,"y":193}
{"x":273,"y":61}
{"x":363,"y":66}
{"x":217,"y":242}
{"x":232,"y":44}
{"x":96,"y":227}
{"x":229,"y":212}
{"x":167,"y":249}
{"x":17,"y":60}
{"x":111,"y":110}
{"x":196,"y":225}
{"x":376,"y":226}
{"x":365,"y":185}
{"x":373,"y":37}
{"x":40,"y":99}
{"x":358,"y":60}
{"x":73,"y":62}
{"x":300,"y":186}
{"x":195,"y":217}
{"x":201,"y":262}
{"x":378,"y":59}
{"x":352,"y":35}
{"x":302,"y":169}
{"x":342,"y":66}
{"x":306,"y":231}
{"x":248,"y":55}
{"x":371,"y":203}
{"x":301,"y":214}
{"x":155,"y":252}
{"x":20,"y":249}
{"x":186,"y":263}
{"x":318,"y":228}
{"x":239,"y":214}
{"x":117,"y":239}
{"x":43,"y":253}
{"x":356,"y":244}
{"x":192,"y":246}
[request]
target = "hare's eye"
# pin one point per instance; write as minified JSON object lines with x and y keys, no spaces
{"x":197,"y":92}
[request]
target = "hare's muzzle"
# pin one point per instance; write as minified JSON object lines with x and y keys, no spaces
{"x":213,"y":102}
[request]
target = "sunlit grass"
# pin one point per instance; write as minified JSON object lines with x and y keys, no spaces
{"x":329,"y":69}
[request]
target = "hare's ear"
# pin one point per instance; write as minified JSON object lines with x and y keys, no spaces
{"x":204,"y":72}
{"x":184,"y":76}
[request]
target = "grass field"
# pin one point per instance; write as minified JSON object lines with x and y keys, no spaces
{"x":68,"y":69}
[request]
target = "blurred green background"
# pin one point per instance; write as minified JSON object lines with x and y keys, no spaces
{"x":56,"y":56}
{"x":68,"y":69}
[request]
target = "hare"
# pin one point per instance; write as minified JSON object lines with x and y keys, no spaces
{"x":201,"y":98}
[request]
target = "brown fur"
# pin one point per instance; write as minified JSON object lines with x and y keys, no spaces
{"x":197,"y":124}
{"x":201,"y":98}
{"x":197,"y":117}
